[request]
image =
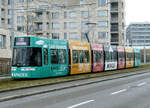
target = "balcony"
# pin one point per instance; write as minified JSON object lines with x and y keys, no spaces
{"x":114,"y":7}
{"x":114,"y":20}
{"x":114,"y":29}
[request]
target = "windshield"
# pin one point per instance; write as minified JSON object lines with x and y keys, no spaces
{"x":27,"y":57}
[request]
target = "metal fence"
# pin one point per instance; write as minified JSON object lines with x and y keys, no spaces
{"x":5,"y":67}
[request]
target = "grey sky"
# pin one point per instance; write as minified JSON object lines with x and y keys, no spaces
{"x":137,"y":11}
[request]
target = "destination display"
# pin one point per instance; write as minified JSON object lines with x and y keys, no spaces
{"x":22,"y":41}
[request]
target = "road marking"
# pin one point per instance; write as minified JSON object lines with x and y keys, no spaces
{"x":73,"y":106}
{"x":141,"y":84}
{"x":120,"y":91}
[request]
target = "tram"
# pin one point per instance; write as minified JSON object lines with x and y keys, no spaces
{"x":35,"y":57}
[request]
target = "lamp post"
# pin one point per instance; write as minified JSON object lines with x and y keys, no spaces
{"x":87,"y":34}
{"x":12,"y":27}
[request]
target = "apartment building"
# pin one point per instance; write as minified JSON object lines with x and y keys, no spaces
{"x":101,"y":20}
{"x":138,"y":34}
{"x":117,"y":22}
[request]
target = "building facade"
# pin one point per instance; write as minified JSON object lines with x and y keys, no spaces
{"x":138,"y":34}
{"x":101,"y":20}
{"x":117,"y":22}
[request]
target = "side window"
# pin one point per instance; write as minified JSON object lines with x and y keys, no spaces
{"x":95,"y":56}
{"x":107,"y":55}
{"x":45,"y":56}
{"x":81,"y":57}
{"x":54,"y":56}
{"x":114,"y":55}
{"x":62,"y":56}
{"x":86,"y":59}
{"x":98,"y":57}
{"x":75,"y":56}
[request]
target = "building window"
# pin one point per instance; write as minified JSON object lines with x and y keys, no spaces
{"x":9,"y":11}
{"x":9,"y":21}
{"x":55,"y":25}
{"x":20,"y":19}
{"x":102,"y":23}
{"x":102,"y":13}
{"x":65,"y":14}
{"x":3,"y":12}
{"x":2,"y":41}
{"x":65,"y":35}
{"x":39,"y":26}
{"x":73,"y":25}
{"x":55,"y":15}
{"x":102,"y":35}
{"x":73,"y":36}
{"x":65,"y":25}
{"x":47,"y":26}
{"x":30,"y":18}
{"x":20,"y":1}
{"x":84,"y":24}
{"x":9,"y":2}
{"x":102,"y":3}
{"x":30,"y":0}
{"x":73,"y":14}
{"x":3,"y":20}
{"x":20,"y":28}
{"x":30,"y":28}
{"x":2,"y":2}
{"x":39,"y":14}
{"x":85,"y":14}
{"x":55,"y":35}
{"x":83,"y":36}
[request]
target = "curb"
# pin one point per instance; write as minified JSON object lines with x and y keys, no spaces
{"x":67,"y":87}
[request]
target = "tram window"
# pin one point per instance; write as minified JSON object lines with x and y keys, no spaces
{"x":75,"y":56}
{"x":81,"y":56}
{"x":114,"y":56}
{"x":86,"y":58}
{"x":27,"y":57}
{"x":54,"y":56}
{"x":98,"y":57}
{"x":62,"y":56}
{"x":130,"y":56}
{"x":45,"y":56}
{"x":121,"y":56}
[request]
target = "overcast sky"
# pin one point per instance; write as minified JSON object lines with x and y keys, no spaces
{"x":137,"y":11}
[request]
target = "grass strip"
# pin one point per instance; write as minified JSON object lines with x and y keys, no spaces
{"x":10,"y":84}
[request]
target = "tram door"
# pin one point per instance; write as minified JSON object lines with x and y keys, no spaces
{"x":46,"y":69}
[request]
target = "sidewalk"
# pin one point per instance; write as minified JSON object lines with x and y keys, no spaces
{"x":20,"y":93}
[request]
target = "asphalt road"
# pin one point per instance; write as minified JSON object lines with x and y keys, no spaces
{"x":127,"y":92}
